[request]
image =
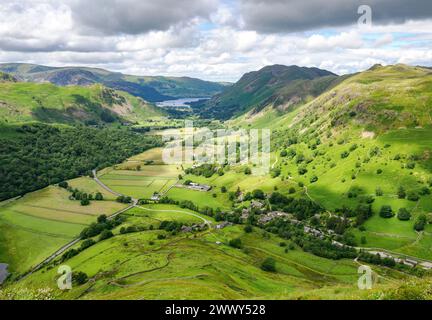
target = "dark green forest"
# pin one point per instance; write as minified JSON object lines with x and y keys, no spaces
{"x":34,"y":156}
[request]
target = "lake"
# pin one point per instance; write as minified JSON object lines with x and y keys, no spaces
{"x":178,"y":103}
{"x":3,"y":272}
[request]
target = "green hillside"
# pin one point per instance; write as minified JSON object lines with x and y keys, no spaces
{"x":353,"y":164}
{"x":149,"y":88}
{"x":281,"y":86}
{"x":22,"y":102}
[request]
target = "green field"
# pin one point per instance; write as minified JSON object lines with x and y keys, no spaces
{"x":185,"y":267}
{"x":41,"y":222}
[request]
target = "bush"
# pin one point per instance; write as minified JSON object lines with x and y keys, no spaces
{"x":99,"y":196}
{"x":79,"y":277}
{"x":87,"y":244}
{"x":401,"y":193}
{"x":404,"y":214}
{"x":106,"y":234}
{"x":63,"y":185}
{"x":379,"y":192}
{"x":302,"y":171}
{"x":247,"y":171}
{"x":386,"y":212}
{"x":420,"y":224}
{"x":314,"y":179}
{"x":413,"y":196}
{"x":236,"y":243}
{"x":258,"y":194}
{"x":345,"y":154}
{"x":425,"y":191}
{"x":248,"y":229}
{"x":269,"y":265}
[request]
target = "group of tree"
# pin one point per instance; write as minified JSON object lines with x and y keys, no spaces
{"x":81,"y":196}
{"x":301,"y":208}
{"x":376,"y":259}
{"x":36,"y":155}
{"x":124,"y":199}
{"x":102,"y":227}
{"x":205,"y":170}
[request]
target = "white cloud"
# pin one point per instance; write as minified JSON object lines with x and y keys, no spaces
{"x":217,"y":48}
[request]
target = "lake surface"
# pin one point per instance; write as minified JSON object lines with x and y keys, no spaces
{"x":178,"y":103}
{"x":3,"y":272}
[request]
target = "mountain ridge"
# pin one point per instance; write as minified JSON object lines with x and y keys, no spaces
{"x":150,"y":88}
{"x":276,"y":84}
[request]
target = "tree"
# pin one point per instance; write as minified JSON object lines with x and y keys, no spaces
{"x":235,"y":243}
{"x":85,"y":202}
{"x":87,"y":244}
{"x":403,"y":214}
{"x":314,"y":179}
{"x":102,"y":218}
{"x":283,"y":153}
{"x":421,"y":222}
{"x":105,"y":234}
{"x":258,"y":194}
{"x":401,"y":193}
{"x":386,"y":212}
{"x":302,"y":171}
{"x":63,"y":185}
{"x":223,"y":189}
{"x":99,"y":196}
{"x":248,"y":228}
{"x":413,"y":196}
{"x":379,"y":192}
{"x":79,"y":277}
{"x":269,"y":265}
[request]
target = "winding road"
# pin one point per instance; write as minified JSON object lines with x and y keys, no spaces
{"x":75,"y":241}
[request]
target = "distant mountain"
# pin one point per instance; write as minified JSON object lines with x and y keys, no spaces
{"x":151,"y":89}
{"x":92,"y":105}
{"x":275,"y":84}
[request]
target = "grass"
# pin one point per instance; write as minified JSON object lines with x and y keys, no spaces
{"x":38,"y":224}
{"x":25,"y":101}
{"x":195,"y":267}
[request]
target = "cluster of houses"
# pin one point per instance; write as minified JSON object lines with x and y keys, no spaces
{"x":266,"y":218}
{"x":193,"y":228}
{"x":408,"y":262}
{"x":198,"y":187}
{"x":223,"y":225}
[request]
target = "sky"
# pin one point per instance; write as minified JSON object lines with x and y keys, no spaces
{"x":217,"y":40}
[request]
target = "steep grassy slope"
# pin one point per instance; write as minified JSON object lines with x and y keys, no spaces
{"x":149,"y":88}
{"x":379,"y":99}
{"x":144,"y":265}
{"x":360,"y":143}
{"x":279,"y":85}
{"x":22,"y":102}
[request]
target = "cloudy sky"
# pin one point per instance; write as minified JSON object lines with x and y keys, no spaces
{"x":215,"y":39}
